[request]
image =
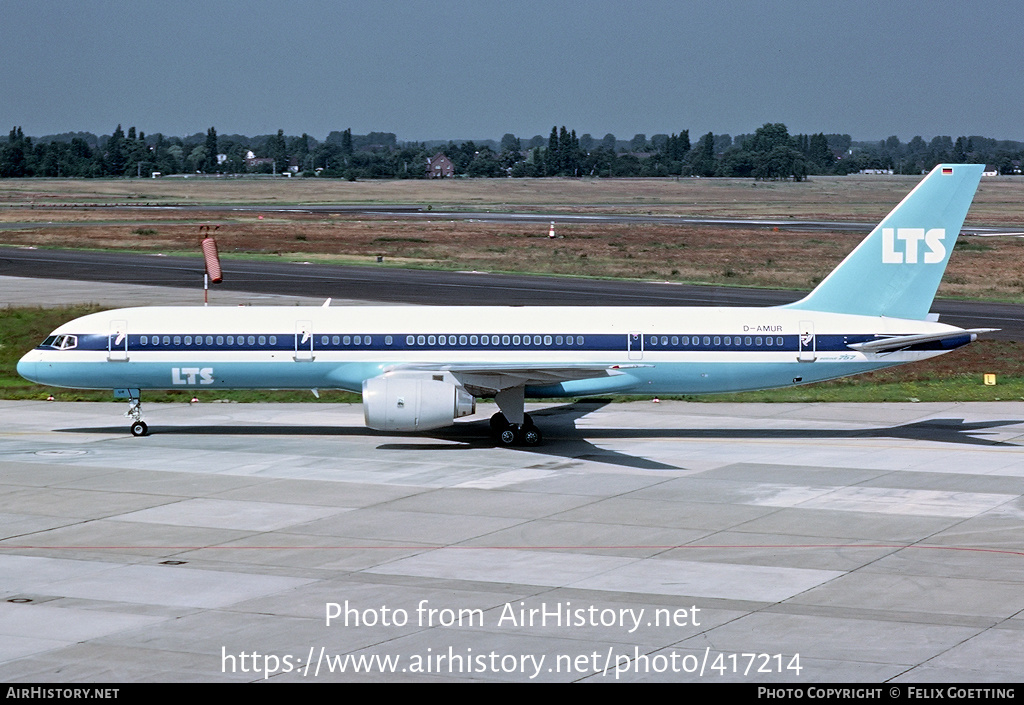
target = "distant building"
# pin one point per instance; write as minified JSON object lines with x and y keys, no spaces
{"x":439,"y":167}
{"x":990,"y":170}
{"x":256,"y":162}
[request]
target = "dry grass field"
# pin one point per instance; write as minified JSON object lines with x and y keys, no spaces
{"x":822,"y":197}
{"x":75,"y":215}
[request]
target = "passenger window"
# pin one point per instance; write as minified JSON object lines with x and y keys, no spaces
{"x":347,"y":340}
{"x":579,"y":340}
{"x":757,"y":341}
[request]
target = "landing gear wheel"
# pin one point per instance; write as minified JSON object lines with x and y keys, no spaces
{"x":510,"y":435}
{"x":498,"y":423}
{"x":531,"y":436}
{"x":139,"y":428}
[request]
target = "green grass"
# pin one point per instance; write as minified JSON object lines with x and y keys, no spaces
{"x":957,"y":376}
{"x":859,"y":389}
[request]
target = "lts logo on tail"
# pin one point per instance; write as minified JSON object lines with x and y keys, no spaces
{"x":904,"y":245}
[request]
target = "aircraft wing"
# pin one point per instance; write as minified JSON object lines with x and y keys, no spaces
{"x":899,"y":342}
{"x":495,"y":378}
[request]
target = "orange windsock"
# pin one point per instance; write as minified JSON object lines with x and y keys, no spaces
{"x":209,"y":246}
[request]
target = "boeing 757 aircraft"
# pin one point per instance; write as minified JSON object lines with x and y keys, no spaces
{"x":420,"y":368}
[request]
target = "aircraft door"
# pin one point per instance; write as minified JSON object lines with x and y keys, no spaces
{"x":808,"y":345}
{"x":635,"y":346}
{"x":117,"y":341}
{"x":303,"y":341}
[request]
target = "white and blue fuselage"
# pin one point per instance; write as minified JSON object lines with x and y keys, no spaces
{"x":646,"y":350}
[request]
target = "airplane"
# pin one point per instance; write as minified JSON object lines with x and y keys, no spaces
{"x":422,"y":367}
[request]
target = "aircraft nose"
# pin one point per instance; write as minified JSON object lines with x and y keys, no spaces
{"x":27,"y":366}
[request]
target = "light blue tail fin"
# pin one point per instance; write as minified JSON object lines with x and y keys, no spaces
{"x":896,"y":270}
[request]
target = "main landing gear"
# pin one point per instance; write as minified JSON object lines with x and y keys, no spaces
{"x":520,"y":431}
{"x":511,"y":434}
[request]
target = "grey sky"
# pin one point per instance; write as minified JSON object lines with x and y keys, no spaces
{"x":476,"y":69}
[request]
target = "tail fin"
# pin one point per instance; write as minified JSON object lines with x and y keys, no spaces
{"x":896,"y":270}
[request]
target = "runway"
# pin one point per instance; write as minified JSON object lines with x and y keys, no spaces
{"x":756,"y":543}
{"x":681,"y":542}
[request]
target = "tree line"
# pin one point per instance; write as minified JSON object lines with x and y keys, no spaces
{"x":768,"y":153}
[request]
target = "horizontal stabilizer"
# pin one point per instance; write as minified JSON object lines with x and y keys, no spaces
{"x":900,"y":342}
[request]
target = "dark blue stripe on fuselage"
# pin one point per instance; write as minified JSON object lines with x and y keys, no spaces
{"x":463,"y":342}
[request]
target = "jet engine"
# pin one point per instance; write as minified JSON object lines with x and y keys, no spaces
{"x":414,"y":401}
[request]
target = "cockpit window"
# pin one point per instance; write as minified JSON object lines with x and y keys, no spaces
{"x":62,"y":342}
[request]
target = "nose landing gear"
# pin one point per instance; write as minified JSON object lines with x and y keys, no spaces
{"x":138,"y":427}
